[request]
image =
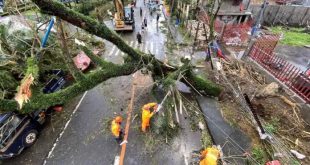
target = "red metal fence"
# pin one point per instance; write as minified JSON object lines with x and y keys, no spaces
{"x":293,"y":77}
{"x":233,"y":33}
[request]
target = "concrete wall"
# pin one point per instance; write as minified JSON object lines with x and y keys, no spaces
{"x":284,"y":15}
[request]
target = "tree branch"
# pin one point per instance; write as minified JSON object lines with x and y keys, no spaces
{"x":42,"y":101}
{"x":88,"y":24}
{"x":107,"y":70}
{"x":96,"y":59}
{"x":66,"y":54}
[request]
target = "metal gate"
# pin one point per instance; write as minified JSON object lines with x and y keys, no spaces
{"x":290,"y":75}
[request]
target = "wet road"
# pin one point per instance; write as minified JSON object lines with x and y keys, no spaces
{"x":152,"y":38}
{"x":36,"y":154}
{"x":86,"y":139}
{"x":298,"y":56}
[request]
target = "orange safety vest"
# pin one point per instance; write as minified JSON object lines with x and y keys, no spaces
{"x":115,"y":128}
{"x":210,"y":156}
{"x":146,"y":117}
{"x":146,"y":114}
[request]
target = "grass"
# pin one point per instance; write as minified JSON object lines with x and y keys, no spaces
{"x":295,"y":162}
{"x":259,"y":155}
{"x":273,"y":125}
{"x":151,"y":142}
{"x":206,"y":139}
{"x":292,"y":36}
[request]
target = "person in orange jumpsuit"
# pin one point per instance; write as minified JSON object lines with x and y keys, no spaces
{"x":209,"y":156}
{"x":116,"y":129}
{"x":147,"y":114}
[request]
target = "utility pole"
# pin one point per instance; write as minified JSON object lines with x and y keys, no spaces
{"x":258,"y":20}
{"x":172,"y":5}
{"x":255,"y":28}
{"x":248,"y":5}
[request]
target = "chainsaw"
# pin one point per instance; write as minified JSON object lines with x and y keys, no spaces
{"x":162,"y":102}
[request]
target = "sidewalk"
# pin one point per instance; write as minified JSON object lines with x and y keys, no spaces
{"x":176,"y":35}
{"x":233,"y":140}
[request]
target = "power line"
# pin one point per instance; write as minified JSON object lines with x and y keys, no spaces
{"x":235,"y":144}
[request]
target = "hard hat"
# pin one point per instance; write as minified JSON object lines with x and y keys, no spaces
{"x":146,"y":107}
{"x":118,"y":119}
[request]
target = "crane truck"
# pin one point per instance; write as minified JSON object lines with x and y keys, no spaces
{"x":123,"y":17}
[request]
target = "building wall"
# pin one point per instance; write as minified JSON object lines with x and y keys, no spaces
{"x":284,"y":15}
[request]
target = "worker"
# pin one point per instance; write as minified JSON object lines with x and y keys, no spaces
{"x":145,"y":22}
{"x":147,"y":114}
{"x":209,"y":156}
{"x":139,"y":37}
{"x":157,"y":18}
{"x":116,"y":129}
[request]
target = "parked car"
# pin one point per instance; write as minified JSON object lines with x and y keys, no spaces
{"x":19,"y":131}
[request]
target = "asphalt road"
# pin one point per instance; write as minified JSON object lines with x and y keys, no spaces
{"x":38,"y":152}
{"x":86,"y":138}
{"x":152,"y":38}
{"x":298,"y":56}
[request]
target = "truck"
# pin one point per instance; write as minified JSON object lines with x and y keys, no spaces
{"x":124,"y":17}
{"x":19,"y":131}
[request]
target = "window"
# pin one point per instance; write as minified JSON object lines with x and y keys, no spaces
{"x":8,"y":129}
{"x":128,"y":12}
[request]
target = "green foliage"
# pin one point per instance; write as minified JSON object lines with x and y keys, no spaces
{"x":39,"y":100}
{"x":295,"y":162}
{"x":273,"y":125}
{"x":187,"y":1}
{"x":259,"y":155}
{"x":205,"y":139}
{"x":3,"y":38}
{"x":3,"y":32}
{"x":151,"y":142}
{"x":32,"y":67}
{"x":164,"y":124}
{"x":21,"y":41}
{"x":7,"y":81}
{"x":86,"y":6}
{"x":168,"y":82}
{"x":293,"y":36}
{"x":204,"y":85}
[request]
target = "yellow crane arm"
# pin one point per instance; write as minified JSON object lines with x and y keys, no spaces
{"x":119,"y":15}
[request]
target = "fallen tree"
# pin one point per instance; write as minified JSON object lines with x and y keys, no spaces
{"x":105,"y":70}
